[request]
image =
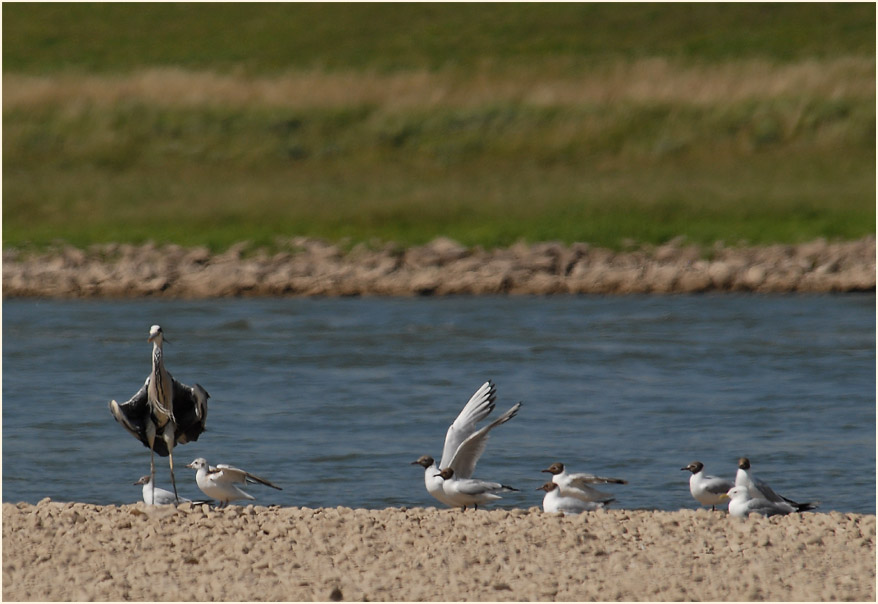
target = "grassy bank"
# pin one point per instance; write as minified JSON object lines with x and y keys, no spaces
{"x":484,"y":123}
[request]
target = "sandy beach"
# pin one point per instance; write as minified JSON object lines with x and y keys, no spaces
{"x":73,"y":551}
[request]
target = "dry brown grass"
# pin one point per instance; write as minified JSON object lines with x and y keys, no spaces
{"x":643,"y":81}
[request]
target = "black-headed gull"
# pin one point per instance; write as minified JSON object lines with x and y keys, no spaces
{"x":578,"y":485}
{"x":156,"y":495}
{"x":554,"y":502}
{"x":463,"y":443}
{"x":707,"y":490}
{"x":742,"y":504}
{"x":221,"y":482}
{"x":163,"y":407}
{"x":463,"y":492}
{"x":760,"y":490}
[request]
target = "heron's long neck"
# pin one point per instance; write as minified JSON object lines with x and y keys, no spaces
{"x":161,"y":382}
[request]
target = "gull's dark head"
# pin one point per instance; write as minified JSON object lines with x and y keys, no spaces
{"x":446,"y":473}
{"x":744,"y":463}
{"x":695,"y":467}
{"x":547,"y":487}
{"x":144,"y":479}
{"x":555,"y":468}
{"x":424,"y":461}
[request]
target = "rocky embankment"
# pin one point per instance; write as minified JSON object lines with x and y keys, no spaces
{"x":442,"y":267}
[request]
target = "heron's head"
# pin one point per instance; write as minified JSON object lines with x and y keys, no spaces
{"x":156,"y":334}
{"x":144,"y":479}
{"x":197,"y":464}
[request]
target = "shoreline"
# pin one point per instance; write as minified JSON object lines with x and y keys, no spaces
{"x":442,"y":267}
{"x":76,"y":551}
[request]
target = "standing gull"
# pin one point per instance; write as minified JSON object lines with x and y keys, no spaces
{"x":759,"y":490}
{"x":554,"y":502}
{"x":221,"y":482}
{"x":163,"y":407}
{"x":707,"y":490}
{"x":464,"y":444}
{"x":578,"y":485}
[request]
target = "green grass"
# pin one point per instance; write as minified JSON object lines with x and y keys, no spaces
{"x":45,"y":37}
{"x":483,"y":167}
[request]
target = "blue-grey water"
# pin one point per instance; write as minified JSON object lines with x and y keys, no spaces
{"x":333,"y":398}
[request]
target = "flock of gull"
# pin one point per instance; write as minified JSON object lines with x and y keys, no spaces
{"x":165,"y":413}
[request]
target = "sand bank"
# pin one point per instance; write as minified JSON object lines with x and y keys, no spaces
{"x":442,"y":267}
{"x":74,"y":551}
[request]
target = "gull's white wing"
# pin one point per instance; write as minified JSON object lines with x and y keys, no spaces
{"x":477,"y":408}
{"x":226,"y":474}
{"x":766,"y":491}
{"x":716,"y":485}
{"x":471,"y":486}
{"x":768,"y":508}
{"x":464,"y":460}
{"x":584,"y":493}
{"x":582,"y":480}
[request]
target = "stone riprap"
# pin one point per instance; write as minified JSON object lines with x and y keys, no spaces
{"x":442,"y":267}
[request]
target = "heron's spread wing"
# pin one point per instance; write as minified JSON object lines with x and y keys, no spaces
{"x":190,"y":411}
{"x":133,"y":414}
{"x":479,"y":406}
{"x":464,"y":460}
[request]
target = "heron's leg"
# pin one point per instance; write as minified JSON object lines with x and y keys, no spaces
{"x":150,"y":437}
{"x":168,"y":435}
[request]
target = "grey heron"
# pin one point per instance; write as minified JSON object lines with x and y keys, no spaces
{"x":221,"y":481}
{"x":163,"y":407}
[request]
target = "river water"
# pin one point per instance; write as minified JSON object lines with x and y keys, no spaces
{"x":333,"y":398}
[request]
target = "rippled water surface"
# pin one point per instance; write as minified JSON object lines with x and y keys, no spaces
{"x":333,"y":398}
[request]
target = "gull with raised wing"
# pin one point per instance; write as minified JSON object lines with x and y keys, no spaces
{"x":578,"y":485}
{"x":463,"y":492}
{"x":554,"y":502}
{"x":221,"y":481}
{"x":742,"y":504}
{"x":760,"y":490}
{"x":707,"y":490}
{"x":464,"y":444}
{"x":163,"y":407}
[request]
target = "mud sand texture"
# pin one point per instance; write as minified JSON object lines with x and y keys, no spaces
{"x":74,"y":551}
{"x":442,"y":267}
